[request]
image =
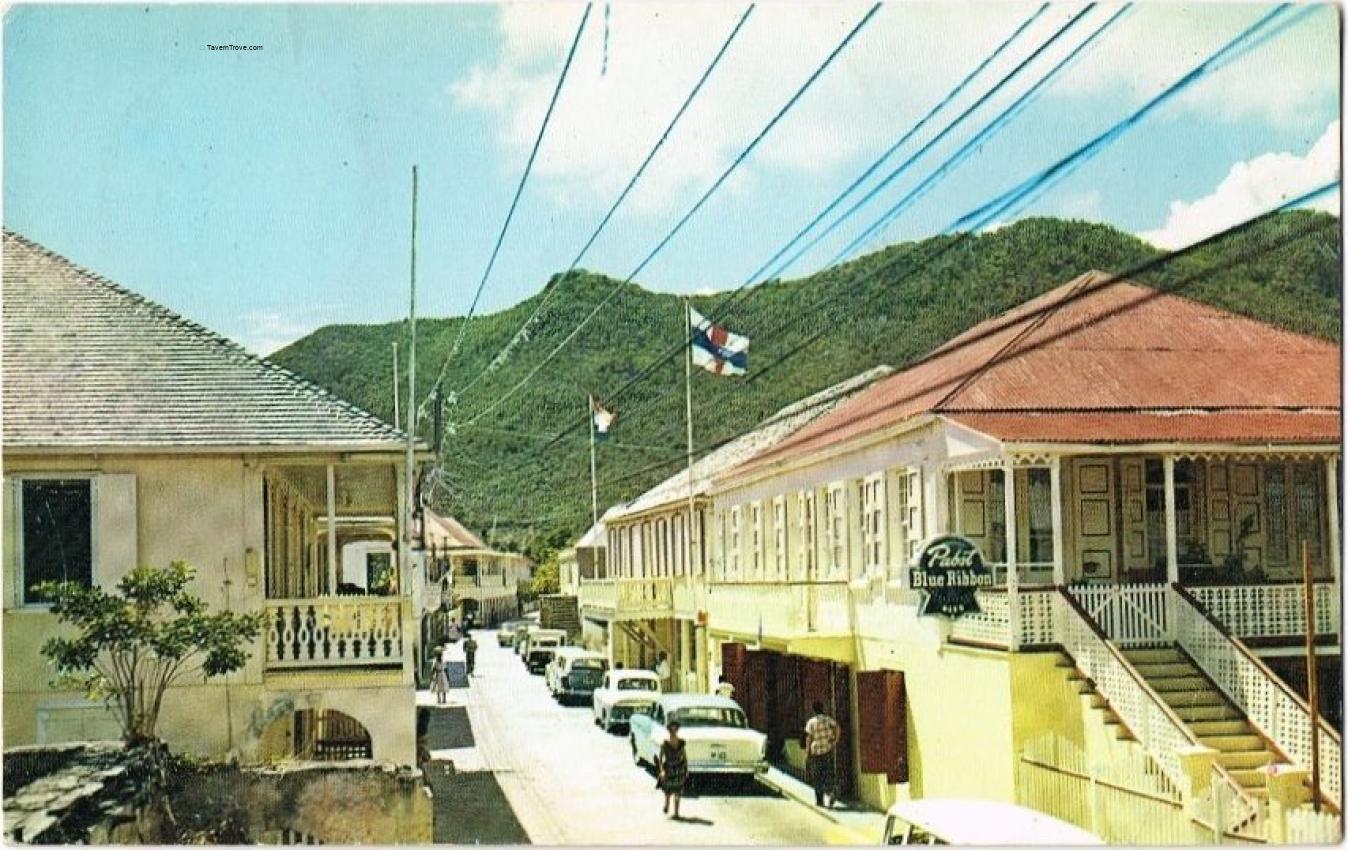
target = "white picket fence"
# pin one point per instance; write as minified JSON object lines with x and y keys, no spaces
{"x":1130,"y":615}
{"x":1307,"y":826}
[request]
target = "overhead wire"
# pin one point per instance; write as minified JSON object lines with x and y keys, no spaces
{"x":715,"y":186}
{"x":510,"y":214}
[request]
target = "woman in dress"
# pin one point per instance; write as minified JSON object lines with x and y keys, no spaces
{"x":440,"y":676}
{"x":673,"y":766}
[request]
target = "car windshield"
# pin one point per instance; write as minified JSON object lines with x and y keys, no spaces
{"x":636,"y":684}
{"x":586,"y":675}
{"x":588,"y":664}
{"x":709,"y":715}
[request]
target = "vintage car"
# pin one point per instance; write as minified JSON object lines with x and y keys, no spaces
{"x":981,"y":822}
{"x":574,"y":673}
{"x":539,"y":647}
{"x":718,"y":734}
{"x":624,"y":693}
{"x":505,"y":633}
{"x":522,"y":632}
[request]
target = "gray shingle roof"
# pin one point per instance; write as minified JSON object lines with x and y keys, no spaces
{"x":771,"y":431}
{"x":90,"y":364}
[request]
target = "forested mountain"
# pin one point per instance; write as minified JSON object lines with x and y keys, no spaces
{"x":506,"y":475}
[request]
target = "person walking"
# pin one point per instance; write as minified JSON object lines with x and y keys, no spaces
{"x":725,"y":689}
{"x":821,"y":739}
{"x":440,"y":676}
{"x":672,"y":767}
{"x":662,"y":671}
{"x":469,"y":653}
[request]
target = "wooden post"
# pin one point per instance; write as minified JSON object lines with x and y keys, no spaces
{"x":1055,"y":508}
{"x":333,"y":571}
{"x":1171,"y":534}
{"x":1332,"y":515}
{"x":1012,"y":569}
{"x":1312,"y":674}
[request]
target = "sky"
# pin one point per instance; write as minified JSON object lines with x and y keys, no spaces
{"x":265,"y":193}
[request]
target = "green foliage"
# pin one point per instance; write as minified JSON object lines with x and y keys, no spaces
{"x":892,"y":307}
{"x":131,"y":645}
{"x":546,"y":579}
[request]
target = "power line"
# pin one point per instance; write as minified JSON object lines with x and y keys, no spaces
{"x":510,"y":214}
{"x":660,"y":246}
{"x":519,"y":335}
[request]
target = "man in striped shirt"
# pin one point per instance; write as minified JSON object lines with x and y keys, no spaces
{"x":821,"y":738}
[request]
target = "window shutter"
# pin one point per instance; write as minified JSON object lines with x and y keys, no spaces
{"x":882,"y":724}
{"x":11,"y":532}
{"x":116,"y":550}
{"x":732,"y":666}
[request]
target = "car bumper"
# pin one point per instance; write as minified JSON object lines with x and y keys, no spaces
{"x":730,"y":767}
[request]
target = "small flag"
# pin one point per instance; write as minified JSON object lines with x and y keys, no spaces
{"x":603,"y":419}
{"x":717,"y":349}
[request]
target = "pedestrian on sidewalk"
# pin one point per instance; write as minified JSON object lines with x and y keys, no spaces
{"x":672,"y":767}
{"x":440,"y":676}
{"x":469,"y":653}
{"x":821,"y":739}
{"x":725,"y":689}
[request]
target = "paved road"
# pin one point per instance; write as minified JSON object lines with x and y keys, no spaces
{"x":567,"y":782}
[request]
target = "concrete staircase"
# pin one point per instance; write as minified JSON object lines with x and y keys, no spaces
{"x":1242,"y":751}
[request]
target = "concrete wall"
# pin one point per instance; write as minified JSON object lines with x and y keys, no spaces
{"x":206,"y":510}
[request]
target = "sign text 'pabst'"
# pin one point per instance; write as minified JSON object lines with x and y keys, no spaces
{"x":949,"y":569}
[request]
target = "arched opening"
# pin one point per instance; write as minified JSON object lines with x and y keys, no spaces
{"x":316,"y":734}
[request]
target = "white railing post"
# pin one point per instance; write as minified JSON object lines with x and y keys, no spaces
{"x":1171,"y":534}
{"x":1012,"y":571}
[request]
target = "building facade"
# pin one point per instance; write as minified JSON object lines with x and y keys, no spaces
{"x":135,"y":437}
{"x":1140,"y":473}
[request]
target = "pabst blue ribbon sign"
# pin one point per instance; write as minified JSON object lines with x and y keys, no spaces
{"x":949,"y":569}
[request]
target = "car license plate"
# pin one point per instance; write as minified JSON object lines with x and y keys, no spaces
{"x":717,"y":753}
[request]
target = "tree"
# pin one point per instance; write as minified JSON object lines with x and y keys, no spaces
{"x":546,"y":579}
{"x":132,"y":645}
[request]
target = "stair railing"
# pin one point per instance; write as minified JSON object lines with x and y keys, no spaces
{"x":1150,"y":720}
{"x":1272,"y":707}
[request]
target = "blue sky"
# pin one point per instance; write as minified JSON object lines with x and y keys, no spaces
{"x":265,"y":193}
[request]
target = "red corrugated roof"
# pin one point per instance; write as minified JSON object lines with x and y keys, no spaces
{"x":1279,"y":427}
{"x":1094,"y":345}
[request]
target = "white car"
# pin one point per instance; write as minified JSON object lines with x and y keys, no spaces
{"x":624,"y":693}
{"x":978,"y":822}
{"x":718,"y":734}
{"x":574,"y":673}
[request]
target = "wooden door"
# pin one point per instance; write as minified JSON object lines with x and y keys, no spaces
{"x":1094,"y":520}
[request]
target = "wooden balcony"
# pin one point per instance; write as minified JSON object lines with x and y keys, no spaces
{"x":780,"y":610}
{"x":336,"y":631}
{"x":640,"y":598}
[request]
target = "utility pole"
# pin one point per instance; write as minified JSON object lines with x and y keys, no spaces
{"x":408,"y":509}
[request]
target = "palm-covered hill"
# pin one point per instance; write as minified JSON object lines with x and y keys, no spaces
{"x":504,"y":472}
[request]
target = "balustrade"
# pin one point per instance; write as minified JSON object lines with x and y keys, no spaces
{"x":334,"y":632}
{"x":1270,"y":610}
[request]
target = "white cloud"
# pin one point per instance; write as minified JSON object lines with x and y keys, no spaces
{"x":266,"y":332}
{"x":1253,"y":187}
{"x":907,"y":58}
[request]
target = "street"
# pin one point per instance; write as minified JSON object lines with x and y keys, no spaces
{"x":530,"y":769}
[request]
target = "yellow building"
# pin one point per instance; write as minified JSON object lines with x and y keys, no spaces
{"x":470,"y":577}
{"x":1139,"y":472}
{"x":648,"y":586}
{"x":133,"y":436}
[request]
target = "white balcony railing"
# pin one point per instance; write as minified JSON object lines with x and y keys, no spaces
{"x":598,"y":596}
{"x":338,"y":631}
{"x":1130,"y":615}
{"x":1270,"y":610}
{"x":780,"y":610}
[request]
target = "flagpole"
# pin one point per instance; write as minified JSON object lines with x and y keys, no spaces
{"x":688,"y":417}
{"x":594,"y":481}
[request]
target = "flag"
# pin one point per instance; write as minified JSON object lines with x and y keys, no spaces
{"x":603,"y":419}
{"x":717,"y":349}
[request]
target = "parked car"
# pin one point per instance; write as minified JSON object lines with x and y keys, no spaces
{"x":505,"y":633}
{"x":718,"y":734}
{"x":978,"y":822}
{"x":574,"y":673}
{"x":540,"y":646}
{"x":522,"y":632}
{"x":623,"y":693}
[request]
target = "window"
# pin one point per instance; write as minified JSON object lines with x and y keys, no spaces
{"x":805,"y":561}
{"x":756,"y":519}
{"x":873,"y":524}
{"x":1040,"y":497}
{"x":1308,"y":500}
{"x":733,"y":549}
{"x":835,"y":529}
{"x":779,"y":553}
{"x":56,"y":534}
{"x":910,"y":513}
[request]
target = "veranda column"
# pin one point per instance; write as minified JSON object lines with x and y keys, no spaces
{"x":332,"y":530}
{"x":1332,"y":513}
{"x":957,"y":514}
{"x":1171,"y":535}
{"x":1055,"y":499}
{"x":1012,"y":571}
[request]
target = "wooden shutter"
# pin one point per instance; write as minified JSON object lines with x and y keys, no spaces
{"x":882,"y":724}
{"x":115,"y":540}
{"x":732,"y":666}
{"x":755,"y":696}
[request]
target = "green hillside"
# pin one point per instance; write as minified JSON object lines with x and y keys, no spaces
{"x":889,"y":307}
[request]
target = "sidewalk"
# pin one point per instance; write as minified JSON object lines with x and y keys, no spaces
{"x":854,"y":826}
